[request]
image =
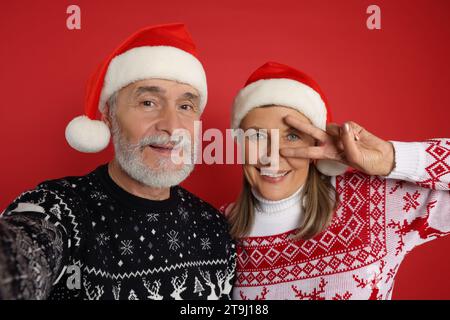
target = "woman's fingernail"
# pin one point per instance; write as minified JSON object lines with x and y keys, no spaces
{"x":346,"y":127}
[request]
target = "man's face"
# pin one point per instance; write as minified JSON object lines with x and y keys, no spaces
{"x":145,"y":117}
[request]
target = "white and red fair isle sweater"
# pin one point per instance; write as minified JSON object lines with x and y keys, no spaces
{"x":378,"y":221}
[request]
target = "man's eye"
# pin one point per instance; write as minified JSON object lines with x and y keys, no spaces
{"x":293,"y":137}
{"x":186,"y":107}
{"x":148,"y":103}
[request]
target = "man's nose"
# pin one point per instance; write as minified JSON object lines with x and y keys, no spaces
{"x":168,"y":120}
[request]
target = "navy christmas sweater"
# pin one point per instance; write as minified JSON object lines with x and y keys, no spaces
{"x":87,"y":238}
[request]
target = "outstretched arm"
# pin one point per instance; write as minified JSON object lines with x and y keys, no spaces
{"x":33,"y":245}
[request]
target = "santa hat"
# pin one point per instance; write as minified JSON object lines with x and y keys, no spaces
{"x":159,"y":52}
{"x":278,"y":84}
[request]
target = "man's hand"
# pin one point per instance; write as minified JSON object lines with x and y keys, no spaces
{"x":350,"y":144}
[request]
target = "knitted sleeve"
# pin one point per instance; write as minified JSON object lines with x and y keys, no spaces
{"x":36,"y":230}
{"x":226,"y":209}
{"x":418,"y":196}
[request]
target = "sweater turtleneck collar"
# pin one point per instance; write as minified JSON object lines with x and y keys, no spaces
{"x":273,"y":207}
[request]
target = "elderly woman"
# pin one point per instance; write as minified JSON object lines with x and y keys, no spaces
{"x":307,"y":228}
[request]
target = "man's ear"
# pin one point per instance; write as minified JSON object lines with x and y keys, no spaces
{"x":105,"y":116}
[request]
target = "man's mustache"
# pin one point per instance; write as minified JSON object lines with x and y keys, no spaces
{"x":174,"y":142}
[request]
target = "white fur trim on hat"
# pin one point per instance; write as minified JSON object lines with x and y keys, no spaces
{"x":331,"y":167}
{"x":158,"y":62}
{"x":282,"y":92}
{"x":86,"y":135}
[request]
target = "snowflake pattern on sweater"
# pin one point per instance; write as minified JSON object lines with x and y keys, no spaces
{"x":377,"y":222}
{"x":124,"y":247}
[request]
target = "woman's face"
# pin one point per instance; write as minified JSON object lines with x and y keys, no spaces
{"x":291,"y":173}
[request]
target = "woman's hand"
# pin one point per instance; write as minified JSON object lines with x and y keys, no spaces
{"x":350,"y":144}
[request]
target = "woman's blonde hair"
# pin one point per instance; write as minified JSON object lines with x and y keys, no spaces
{"x":319,"y":205}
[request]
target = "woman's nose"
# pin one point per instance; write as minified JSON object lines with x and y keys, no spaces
{"x":271,"y":153}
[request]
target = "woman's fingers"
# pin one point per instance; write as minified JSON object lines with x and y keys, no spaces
{"x":334,"y":130}
{"x":315,"y":153}
{"x":358,"y":131}
{"x":345,"y":139}
{"x":349,"y":142}
{"x":307,"y":128}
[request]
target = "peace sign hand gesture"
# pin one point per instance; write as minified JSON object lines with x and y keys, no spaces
{"x":350,"y":144}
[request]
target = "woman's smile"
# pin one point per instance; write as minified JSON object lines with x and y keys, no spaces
{"x":272,"y":176}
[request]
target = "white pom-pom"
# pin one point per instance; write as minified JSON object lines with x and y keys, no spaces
{"x":86,"y":135}
{"x":331,"y":167}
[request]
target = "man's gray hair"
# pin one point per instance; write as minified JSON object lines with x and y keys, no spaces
{"x":112,"y":103}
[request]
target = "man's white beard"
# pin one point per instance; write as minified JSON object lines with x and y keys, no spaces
{"x":129,"y":157}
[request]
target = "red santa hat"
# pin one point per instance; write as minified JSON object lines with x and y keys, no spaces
{"x":159,"y":52}
{"x":278,"y":84}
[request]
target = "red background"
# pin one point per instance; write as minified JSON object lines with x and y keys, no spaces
{"x":394,"y":82}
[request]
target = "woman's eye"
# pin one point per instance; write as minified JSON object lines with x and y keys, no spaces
{"x":293,"y":137}
{"x":257,"y":136}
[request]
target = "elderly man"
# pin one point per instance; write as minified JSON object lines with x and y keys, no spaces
{"x":125,"y":230}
